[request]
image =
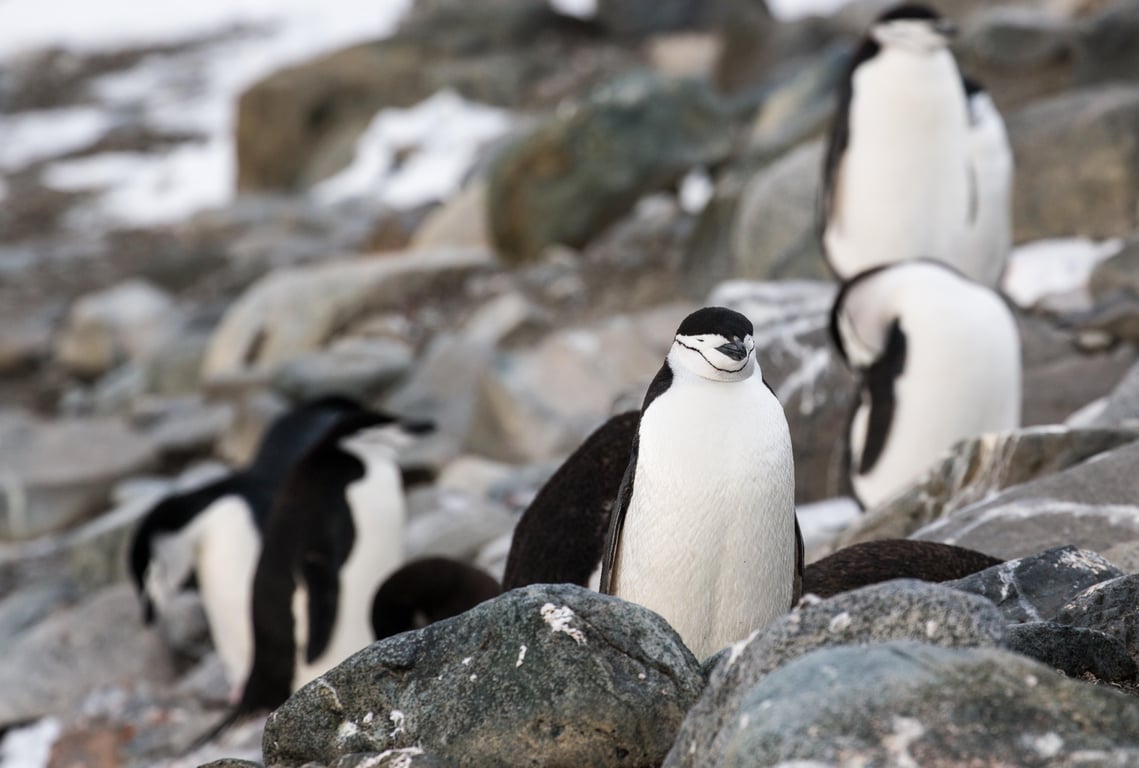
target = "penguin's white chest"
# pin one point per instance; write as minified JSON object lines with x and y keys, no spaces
{"x":708,"y":539}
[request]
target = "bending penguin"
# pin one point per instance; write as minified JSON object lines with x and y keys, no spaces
{"x":872,"y":562}
{"x":560,"y":538}
{"x":428,"y":590}
{"x":214,"y":534}
{"x":896,"y":175}
{"x":335,"y":534}
{"x":939,"y":358}
{"x":991,"y":164}
{"x":704,"y":532}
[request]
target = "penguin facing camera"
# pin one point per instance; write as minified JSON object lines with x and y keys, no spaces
{"x":428,"y":590}
{"x":560,"y":538}
{"x":939,"y":360}
{"x":896,"y":174}
{"x":704,"y":531}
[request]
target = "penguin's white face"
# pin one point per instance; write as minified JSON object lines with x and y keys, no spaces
{"x":713,"y":356}
{"x":912,"y":35}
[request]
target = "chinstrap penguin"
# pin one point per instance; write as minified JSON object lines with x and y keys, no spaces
{"x":939,"y":359}
{"x":871,"y":562}
{"x":560,"y":537}
{"x":334,"y":535}
{"x":428,"y":590}
{"x":212,"y":534}
{"x":704,"y":531}
{"x":991,"y":164}
{"x":896,"y":177}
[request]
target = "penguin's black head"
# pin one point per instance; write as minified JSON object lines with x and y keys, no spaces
{"x":914,"y":27}
{"x":714,"y":343}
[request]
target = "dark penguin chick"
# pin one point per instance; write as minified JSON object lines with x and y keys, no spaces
{"x":428,"y":590}
{"x":896,"y":177}
{"x":560,"y":538}
{"x":334,"y":535}
{"x":704,"y":530}
{"x":212,"y":534}
{"x":871,"y":562}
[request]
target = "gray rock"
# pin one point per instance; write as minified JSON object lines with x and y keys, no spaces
{"x":409,"y":757}
{"x":182,"y":426}
{"x":1106,"y":52}
{"x":557,"y":673}
{"x":1036,"y":587}
{"x":23,"y":608}
{"x":294,"y":311}
{"x":1090,"y":505}
{"x":59,"y":473}
{"x":358,"y":368}
{"x":1110,"y":608}
{"x":452,"y":524}
{"x":175,"y":367}
{"x":1076,"y":160}
{"x":458,"y":223}
{"x":1075,"y":651}
{"x":894,"y":610}
{"x":639,"y":18}
{"x":24,"y":345}
{"x":905,"y":703}
{"x":229,"y":762}
{"x":1120,"y":406}
{"x":579,"y":173}
{"x":975,"y":470}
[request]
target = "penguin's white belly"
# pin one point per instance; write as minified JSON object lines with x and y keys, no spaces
{"x":228,"y":549}
{"x":904,"y":187}
{"x":708,"y":539}
{"x":990,"y":233}
{"x":951,"y":389}
{"x":378,"y":514}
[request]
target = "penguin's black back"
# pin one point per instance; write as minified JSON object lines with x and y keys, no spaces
{"x":435,"y":588}
{"x":871,"y":562}
{"x":560,"y":537}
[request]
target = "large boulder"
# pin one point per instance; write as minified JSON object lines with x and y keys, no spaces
{"x":895,"y":610}
{"x":1110,"y":608}
{"x":909,"y":704}
{"x":549,"y":674}
{"x":1077,"y":164}
{"x":582,"y":171}
{"x":1075,"y":651}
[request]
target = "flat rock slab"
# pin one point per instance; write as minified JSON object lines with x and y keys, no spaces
{"x":909,"y":704}
{"x":1075,"y":651}
{"x":552,"y":675}
{"x":895,"y":610}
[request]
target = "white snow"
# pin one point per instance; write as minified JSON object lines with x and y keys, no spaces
{"x":581,"y":9}
{"x":444,"y":134}
{"x":29,"y":746}
{"x":1046,"y":267}
{"x":187,"y":91}
{"x":788,"y":10}
{"x":821,"y":521}
{"x":696,"y":189}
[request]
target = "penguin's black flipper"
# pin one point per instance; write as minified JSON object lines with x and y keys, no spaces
{"x":329,"y":541}
{"x":880,"y":378}
{"x":797,"y":581}
{"x":617,"y":522}
{"x":323,"y":586}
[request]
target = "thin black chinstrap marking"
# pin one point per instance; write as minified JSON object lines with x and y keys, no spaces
{"x":709,"y":362}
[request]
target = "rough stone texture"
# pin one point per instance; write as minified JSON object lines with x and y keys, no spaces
{"x":293,"y":311}
{"x":908,"y":704}
{"x":409,"y":757}
{"x":1091,"y":505}
{"x":58,"y":473}
{"x":816,"y":388}
{"x":1035,"y":587}
{"x":461,"y":222}
{"x":1107,"y":51}
{"x":560,"y":674}
{"x":579,"y":173}
{"x":977,"y":469}
{"x":1075,"y":651}
{"x":895,"y":610}
{"x":1077,"y":157}
{"x":228,"y":762}
{"x":358,"y":368}
{"x":640,"y":18}
{"x":1109,"y":607}
{"x":452,"y":523}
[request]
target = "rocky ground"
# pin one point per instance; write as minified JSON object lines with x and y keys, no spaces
{"x":631,"y":167}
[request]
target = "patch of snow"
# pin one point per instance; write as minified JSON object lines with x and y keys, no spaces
{"x":579,"y":9}
{"x":559,"y":620}
{"x":738,"y":647}
{"x":1047,"y":267}
{"x":29,"y":137}
{"x":789,"y":10}
{"x":29,"y":746}
{"x":443,"y":133}
{"x":1047,"y":745}
{"x":821,"y":521}
{"x":696,"y":189}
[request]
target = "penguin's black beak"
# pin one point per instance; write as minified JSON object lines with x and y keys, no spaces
{"x":734,"y":349}
{"x":147,"y":611}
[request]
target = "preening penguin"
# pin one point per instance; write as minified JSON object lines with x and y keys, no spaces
{"x":560,"y":537}
{"x":896,"y":179}
{"x":991,"y":165}
{"x":214,"y":533}
{"x":872,"y":562}
{"x":334,"y":535}
{"x":428,"y":590}
{"x":939,"y":357}
{"x":704,"y":532}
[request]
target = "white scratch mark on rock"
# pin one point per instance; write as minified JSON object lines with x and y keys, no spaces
{"x":907,"y":730}
{"x":839,"y":622}
{"x":347,"y":730}
{"x":745,"y":720}
{"x":369,"y":717}
{"x":1082,"y":558}
{"x":1047,"y":745}
{"x":467,"y":661}
{"x":400,"y":758}
{"x":641,"y":676}
{"x":474,"y":677}
{"x":559,"y":621}
{"x":738,"y":648}
{"x":397,"y":719}
{"x":521,"y":655}
{"x":1031,"y":681}
{"x":931,"y":628}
